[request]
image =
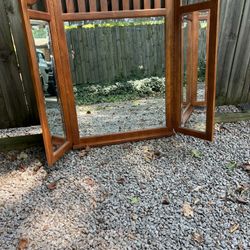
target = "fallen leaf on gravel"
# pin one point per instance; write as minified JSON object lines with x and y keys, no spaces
{"x":240,"y":246}
{"x":120,"y":181}
{"x":22,"y":244}
{"x":134,"y":217}
{"x":196,"y":153}
{"x":157,"y":153}
{"x":198,"y":238}
{"x":231,"y":165}
{"x":242,"y":200}
{"x":234,"y":228}
{"x":51,"y":186}
{"x":187,"y":210}
{"x":134,"y":200}
{"x":22,"y":156}
{"x":84,"y":152}
{"x":246,"y":167}
{"x":165,"y":200}
{"x":11,"y":156}
{"x":37,"y":167}
{"x":90,"y":182}
{"x":131,"y":236}
{"x":242,"y":188}
{"x":22,"y":168}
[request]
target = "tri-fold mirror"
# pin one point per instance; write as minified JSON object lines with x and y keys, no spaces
{"x":113,"y":71}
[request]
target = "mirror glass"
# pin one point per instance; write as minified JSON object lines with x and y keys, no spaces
{"x":195,"y":30}
{"x":48,"y":77}
{"x":118,"y":74}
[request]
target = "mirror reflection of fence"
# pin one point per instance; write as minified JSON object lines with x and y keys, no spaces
{"x":118,"y":71}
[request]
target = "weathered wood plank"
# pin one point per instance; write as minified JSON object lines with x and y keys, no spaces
{"x":81,"y":5}
{"x":147,"y":4}
{"x":20,"y":142}
{"x":11,"y":86}
{"x":115,"y":5}
{"x":231,"y":117}
{"x":104,"y":5}
{"x":237,"y":88}
{"x":16,"y":26}
{"x":137,"y":4}
{"x":70,"y":6}
{"x":231,"y":16}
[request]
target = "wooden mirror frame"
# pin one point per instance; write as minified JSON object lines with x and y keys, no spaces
{"x":56,"y":15}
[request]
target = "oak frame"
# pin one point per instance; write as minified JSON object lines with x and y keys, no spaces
{"x":172,"y":13}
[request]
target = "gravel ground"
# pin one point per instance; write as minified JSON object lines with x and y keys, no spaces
{"x":170,"y":193}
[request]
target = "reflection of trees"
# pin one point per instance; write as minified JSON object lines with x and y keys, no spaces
{"x":107,"y":21}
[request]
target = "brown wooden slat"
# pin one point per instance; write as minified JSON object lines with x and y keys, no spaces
{"x":104,"y":5}
{"x":125,"y":5}
{"x":92,"y":6}
{"x":137,"y":4}
{"x":70,"y":6}
{"x":115,"y":5}
{"x":115,"y":14}
{"x":81,"y":5}
{"x":147,"y":4}
{"x":157,"y":4}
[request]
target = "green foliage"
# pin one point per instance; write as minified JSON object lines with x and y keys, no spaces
{"x":231,"y":165}
{"x":120,"y":91}
{"x":196,"y":153}
{"x":115,"y":24}
{"x":39,"y":33}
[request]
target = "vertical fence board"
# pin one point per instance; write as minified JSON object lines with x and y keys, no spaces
{"x":239,"y":69}
{"x":16,"y":111}
{"x":81,"y":5}
{"x":15,"y":22}
{"x":230,"y":23}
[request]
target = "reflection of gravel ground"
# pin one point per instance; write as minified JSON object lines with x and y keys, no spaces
{"x":121,"y":116}
{"x":112,"y":198}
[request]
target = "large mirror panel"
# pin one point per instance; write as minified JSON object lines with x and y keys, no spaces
{"x":118,"y":74}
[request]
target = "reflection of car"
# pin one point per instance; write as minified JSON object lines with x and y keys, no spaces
{"x":43,"y":68}
{"x":46,"y":73}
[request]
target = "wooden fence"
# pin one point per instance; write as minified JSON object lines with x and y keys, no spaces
{"x":233,"y":82}
{"x":17,"y":101}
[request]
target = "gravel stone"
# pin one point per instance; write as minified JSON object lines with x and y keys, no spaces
{"x":90,"y":209}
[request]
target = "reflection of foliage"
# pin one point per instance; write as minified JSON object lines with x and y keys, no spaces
{"x":120,"y":91}
{"x":112,"y":23}
{"x":39,"y":33}
{"x":202,"y":70}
